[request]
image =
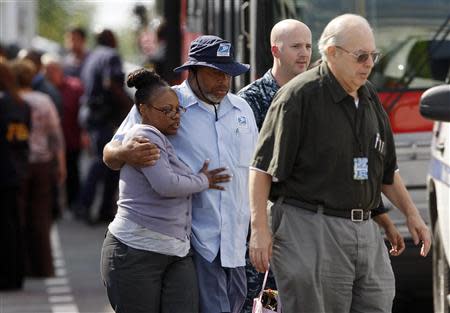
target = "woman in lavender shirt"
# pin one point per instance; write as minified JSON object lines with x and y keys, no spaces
{"x":146,"y":259}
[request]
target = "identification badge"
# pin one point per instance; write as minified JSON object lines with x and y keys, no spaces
{"x":360,"y":169}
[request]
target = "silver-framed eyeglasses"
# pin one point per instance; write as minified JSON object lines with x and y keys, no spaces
{"x":361,"y":56}
{"x":170,"y":113}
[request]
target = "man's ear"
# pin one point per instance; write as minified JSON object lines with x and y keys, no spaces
{"x":275,"y":51}
{"x":331,"y":51}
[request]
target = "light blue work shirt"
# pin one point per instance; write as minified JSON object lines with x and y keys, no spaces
{"x":220,"y":219}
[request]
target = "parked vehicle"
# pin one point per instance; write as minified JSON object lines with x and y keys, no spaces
{"x":435,"y":105}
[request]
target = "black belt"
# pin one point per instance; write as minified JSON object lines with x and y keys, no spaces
{"x":356,"y":215}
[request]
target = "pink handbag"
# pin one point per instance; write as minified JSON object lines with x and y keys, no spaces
{"x":268,"y":300}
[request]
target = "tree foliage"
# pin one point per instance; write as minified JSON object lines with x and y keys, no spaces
{"x":55,"y":16}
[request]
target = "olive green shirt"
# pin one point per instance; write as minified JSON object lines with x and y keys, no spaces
{"x":311,"y":135}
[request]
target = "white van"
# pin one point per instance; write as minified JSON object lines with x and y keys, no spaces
{"x":435,"y":105}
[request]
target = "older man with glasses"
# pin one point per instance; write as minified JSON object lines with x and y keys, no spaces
{"x":362,"y":56}
{"x":324,"y":155}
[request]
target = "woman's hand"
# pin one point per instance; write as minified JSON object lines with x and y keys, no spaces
{"x":215,"y":176}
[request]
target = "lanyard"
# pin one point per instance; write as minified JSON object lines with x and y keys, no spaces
{"x":355,"y":124}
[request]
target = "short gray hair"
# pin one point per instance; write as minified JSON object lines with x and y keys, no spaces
{"x":335,"y":32}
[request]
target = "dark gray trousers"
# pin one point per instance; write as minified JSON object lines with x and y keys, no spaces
{"x":139,"y":281}
{"x":325,"y":264}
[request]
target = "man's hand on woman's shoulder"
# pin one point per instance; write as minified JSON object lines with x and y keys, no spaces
{"x":138,"y":151}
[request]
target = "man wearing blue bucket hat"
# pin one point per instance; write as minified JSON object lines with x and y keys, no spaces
{"x":213,"y":52}
{"x":219,"y":126}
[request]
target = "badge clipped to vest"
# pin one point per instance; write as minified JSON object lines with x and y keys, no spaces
{"x":360,"y":168}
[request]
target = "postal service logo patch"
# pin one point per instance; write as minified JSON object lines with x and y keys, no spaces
{"x":224,"y":50}
{"x":242,"y":122}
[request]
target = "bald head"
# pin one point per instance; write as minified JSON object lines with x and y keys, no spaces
{"x":290,"y":42}
{"x":344,"y":29}
{"x":285,"y":28}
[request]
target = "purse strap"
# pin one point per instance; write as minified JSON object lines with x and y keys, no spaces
{"x":264,"y":284}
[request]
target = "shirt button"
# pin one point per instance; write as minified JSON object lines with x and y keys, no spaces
{"x":187,"y":197}
{"x":185,"y":227}
{"x":187,"y":213}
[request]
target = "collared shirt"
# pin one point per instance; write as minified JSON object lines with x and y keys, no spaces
{"x":220,"y":219}
{"x":311,"y":136}
{"x":259,"y":95}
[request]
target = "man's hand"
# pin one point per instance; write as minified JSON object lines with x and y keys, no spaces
{"x":140,"y":152}
{"x":260,"y":248}
{"x":392,"y":234}
{"x":396,"y":240}
{"x":419,"y":232}
{"x":399,"y":196}
{"x":260,"y":245}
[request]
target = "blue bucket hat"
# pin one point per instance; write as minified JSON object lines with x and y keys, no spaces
{"x":212,"y":51}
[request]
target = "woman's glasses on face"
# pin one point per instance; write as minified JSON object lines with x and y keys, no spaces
{"x":170,"y":113}
{"x":362,"y":57}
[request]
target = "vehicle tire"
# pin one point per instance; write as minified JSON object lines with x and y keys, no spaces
{"x":440,"y":274}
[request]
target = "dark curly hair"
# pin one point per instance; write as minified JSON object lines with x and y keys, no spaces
{"x":146,"y":82}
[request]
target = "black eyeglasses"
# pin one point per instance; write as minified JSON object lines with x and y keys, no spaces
{"x":170,"y":113}
{"x":362,"y":57}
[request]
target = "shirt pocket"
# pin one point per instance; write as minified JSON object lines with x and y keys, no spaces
{"x":245,"y":146}
{"x":376,"y":158}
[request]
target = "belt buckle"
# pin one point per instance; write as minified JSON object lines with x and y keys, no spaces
{"x":357,"y":215}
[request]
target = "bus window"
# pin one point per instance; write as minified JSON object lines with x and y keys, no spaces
{"x":414,"y":64}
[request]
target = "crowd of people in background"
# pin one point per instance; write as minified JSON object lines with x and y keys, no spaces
{"x":43,"y":136}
